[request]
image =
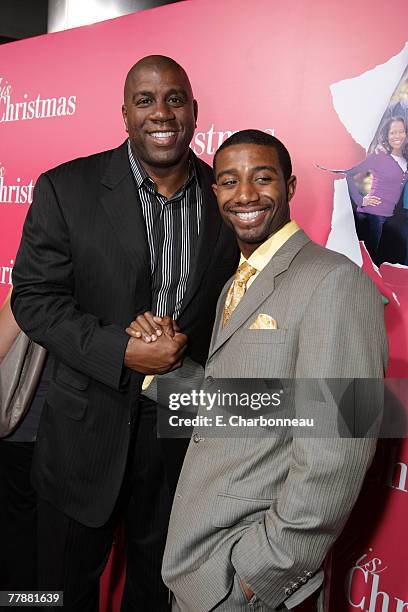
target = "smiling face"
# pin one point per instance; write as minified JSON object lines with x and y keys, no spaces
{"x":396,"y":136}
{"x":160,"y":115}
{"x":253,"y":196}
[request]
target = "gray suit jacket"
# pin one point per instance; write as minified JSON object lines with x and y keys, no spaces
{"x":270,"y":508}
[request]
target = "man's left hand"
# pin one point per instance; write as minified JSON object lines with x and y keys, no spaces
{"x":149,"y":327}
{"x":248,"y":592}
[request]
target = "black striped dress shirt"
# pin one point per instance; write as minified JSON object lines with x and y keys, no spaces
{"x":172,"y":226}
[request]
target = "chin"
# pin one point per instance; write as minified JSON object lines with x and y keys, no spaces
{"x":251,"y":239}
{"x":163,"y":161}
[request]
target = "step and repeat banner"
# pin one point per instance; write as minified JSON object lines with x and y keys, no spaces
{"x":327,"y":78}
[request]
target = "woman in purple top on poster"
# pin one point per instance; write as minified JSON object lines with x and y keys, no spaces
{"x":388,"y":168}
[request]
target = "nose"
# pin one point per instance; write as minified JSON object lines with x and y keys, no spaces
{"x":162,"y":112}
{"x":246,"y":193}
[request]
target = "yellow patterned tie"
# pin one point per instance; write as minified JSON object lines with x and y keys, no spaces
{"x":237,"y":289}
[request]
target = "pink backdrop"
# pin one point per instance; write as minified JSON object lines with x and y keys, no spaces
{"x":258,"y":64}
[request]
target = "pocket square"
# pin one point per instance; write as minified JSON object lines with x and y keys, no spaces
{"x":264,"y":321}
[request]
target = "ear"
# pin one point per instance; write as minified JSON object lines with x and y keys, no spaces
{"x":124,"y":115}
{"x":215,"y":188}
{"x":291,"y":187}
{"x":195,"y":108}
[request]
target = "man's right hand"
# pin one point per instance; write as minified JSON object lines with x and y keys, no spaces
{"x":159,"y":357}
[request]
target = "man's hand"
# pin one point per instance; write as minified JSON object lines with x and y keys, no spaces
{"x":163,"y":355}
{"x":149,"y":327}
{"x":370,"y":200}
{"x":248,"y":592}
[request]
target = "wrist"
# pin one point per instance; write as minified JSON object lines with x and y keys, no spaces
{"x":128,"y":350}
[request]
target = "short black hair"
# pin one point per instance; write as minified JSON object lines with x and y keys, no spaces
{"x":258,"y":137}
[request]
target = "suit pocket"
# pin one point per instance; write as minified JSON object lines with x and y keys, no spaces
{"x":71,"y":377}
{"x":230,"y":509}
{"x":67,"y":402}
{"x":264,"y":336}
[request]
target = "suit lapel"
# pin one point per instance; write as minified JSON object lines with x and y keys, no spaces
{"x":259,"y":291}
{"x":209,"y":231}
{"x":219,"y":315}
{"x":121,"y":203}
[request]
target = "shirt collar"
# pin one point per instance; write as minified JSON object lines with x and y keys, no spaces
{"x":264,"y":253}
{"x":142,"y":178}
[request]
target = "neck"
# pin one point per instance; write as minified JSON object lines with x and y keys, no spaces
{"x":247,"y":248}
{"x":169,"y":179}
{"x":397,"y":151}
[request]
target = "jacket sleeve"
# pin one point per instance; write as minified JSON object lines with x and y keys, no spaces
{"x":342,"y":337}
{"x":43,"y":296}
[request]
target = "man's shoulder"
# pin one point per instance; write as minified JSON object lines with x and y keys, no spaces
{"x":327,"y":257}
{"x":86,"y":165}
{"x":321,"y":263}
{"x":316,"y":262}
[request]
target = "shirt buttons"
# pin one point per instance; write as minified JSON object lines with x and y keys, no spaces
{"x":209,"y":380}
{"x":197,"y":438}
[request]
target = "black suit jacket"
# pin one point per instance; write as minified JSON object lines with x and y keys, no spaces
{"x":81,"y":275}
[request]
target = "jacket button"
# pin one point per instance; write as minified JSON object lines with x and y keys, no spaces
{"x":197,"y":438}
{"x":288,"y":591}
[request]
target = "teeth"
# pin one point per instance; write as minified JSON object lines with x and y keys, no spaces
{"x":249,"y":215}
{"x":162,"y":134}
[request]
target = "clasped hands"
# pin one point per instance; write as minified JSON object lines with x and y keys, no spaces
{"x":156,"y":345}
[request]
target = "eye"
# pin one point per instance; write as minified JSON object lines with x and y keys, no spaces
{"x":263,"y":179}
{"x":229,"y":182}
{"x":176,"y":100}
{"x":143,"y":101}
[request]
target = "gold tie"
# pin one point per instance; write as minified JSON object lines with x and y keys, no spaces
{"x":237,"y":289}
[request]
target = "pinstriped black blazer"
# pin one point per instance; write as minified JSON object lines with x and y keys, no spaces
{"x":82,"y":273}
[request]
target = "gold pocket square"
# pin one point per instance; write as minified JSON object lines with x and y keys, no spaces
{"x":264,"y":321}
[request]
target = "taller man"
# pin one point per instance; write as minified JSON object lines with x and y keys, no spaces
{"x":108,"y":237}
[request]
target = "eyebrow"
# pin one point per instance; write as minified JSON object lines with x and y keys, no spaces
{"x":150,"y":94}
{"x":136,"y":94}
{"x":179,"y":91}
{"x":254,"y":169}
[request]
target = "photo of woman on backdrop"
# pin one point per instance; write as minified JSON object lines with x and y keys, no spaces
{"x":377,"y":183}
